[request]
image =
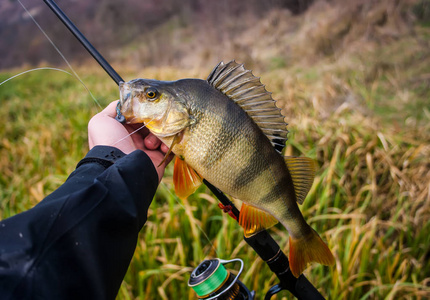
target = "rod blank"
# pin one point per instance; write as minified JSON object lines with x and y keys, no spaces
{"x":82,"y":39}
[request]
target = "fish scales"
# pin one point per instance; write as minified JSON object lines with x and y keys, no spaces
{"x":226,"y":129}
{"x":226,"y":147}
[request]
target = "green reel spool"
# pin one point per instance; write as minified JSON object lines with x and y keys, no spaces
{"x":210,"y":276}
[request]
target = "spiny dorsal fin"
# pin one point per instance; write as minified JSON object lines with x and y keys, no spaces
{"x":237,"y":83}
{"x":302,"y":171}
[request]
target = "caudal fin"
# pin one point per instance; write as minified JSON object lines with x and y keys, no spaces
{"x":308,"y":249}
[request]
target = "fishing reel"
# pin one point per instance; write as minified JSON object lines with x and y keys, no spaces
{"x":211,"y":280}
{"x":268,"y":249}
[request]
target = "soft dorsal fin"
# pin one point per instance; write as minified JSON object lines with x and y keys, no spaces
{"x":237,"y":83}
{"x":302,"y":171}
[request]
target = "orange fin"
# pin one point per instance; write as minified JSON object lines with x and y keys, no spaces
{"x":308,"y":249}
{"x":254,"y":220}
{"x":302,"y":171}
{"x":186,"y":180}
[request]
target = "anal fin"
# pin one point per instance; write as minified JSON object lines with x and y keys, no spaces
{"x":185,"y":178}
{"x":254,"y":220}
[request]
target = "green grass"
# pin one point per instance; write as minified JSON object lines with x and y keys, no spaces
{"x":370,"y":199}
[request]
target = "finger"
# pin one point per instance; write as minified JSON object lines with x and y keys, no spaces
{"x":105,"y":130}
{"x":137,"y":132}
{"x":138,"y":141}
{"x":164,"y":148}
{"x":110,"y":110}
{"x":152,"y":142}
{"x":140,"y":127}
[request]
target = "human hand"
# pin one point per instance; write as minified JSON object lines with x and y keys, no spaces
{"x":103,"y":129}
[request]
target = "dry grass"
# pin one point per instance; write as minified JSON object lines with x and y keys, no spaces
{"x":360,"y":110}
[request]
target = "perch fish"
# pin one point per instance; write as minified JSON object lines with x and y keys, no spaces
{"x":228,"y":130}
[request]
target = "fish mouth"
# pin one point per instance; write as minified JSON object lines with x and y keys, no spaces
{"x":124,"y":92}
{"x":124,"y":108}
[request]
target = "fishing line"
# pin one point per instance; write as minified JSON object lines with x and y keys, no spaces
{"x":60,"y":53}
{"x":35,"y":69}
{"x":52,"y":69}
{"x":95,"y":100}
{"x":130,"y":134}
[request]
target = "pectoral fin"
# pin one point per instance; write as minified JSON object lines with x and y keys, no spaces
{"x":254,"y":220}
{"x":176,"y":140}
{"x":185,"y":178}
{"x":302,"y":171}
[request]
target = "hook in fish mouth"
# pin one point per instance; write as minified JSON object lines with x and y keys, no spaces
{"x":119,"y":117}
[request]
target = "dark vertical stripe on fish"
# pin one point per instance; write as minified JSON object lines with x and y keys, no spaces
{"x":280,"y":190}
{"x":225,"y":114}
{"x":223,"y":137}
{"x":274,"y":195}
{"x":252,"y":170}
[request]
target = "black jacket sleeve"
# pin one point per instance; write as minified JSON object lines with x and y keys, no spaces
{"x":77,"y":243}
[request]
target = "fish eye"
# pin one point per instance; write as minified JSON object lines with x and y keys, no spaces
{"x":151,"y":93}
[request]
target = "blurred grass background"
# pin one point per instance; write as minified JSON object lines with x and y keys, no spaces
{"x":353,"y":82}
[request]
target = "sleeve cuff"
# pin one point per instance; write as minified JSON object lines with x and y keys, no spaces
{"x":102,"y":155}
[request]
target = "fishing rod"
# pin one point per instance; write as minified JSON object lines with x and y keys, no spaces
{"x":210,"y":280}
{"x":268,"y":249}
{"x":83,"y":40}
